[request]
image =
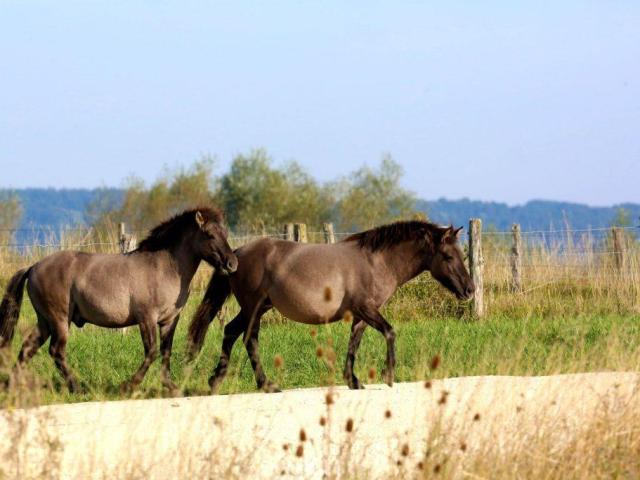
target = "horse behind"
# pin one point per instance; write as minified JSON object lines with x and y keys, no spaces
{"x":317,"y":284}
{"x":147,"y":287}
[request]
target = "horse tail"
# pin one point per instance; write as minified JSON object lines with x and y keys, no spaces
{"x":218,"y":290}
{"x":10,"y":306}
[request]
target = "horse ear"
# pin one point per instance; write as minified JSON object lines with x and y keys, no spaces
{"x":448,"y":235}
{"x":200,"y":219}
{"x":457,"y":231}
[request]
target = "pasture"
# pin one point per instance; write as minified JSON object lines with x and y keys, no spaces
{"x":577,"y":312}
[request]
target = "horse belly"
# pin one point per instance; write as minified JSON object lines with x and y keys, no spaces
{"x":306,"y":304}
{"x":108,"y":307}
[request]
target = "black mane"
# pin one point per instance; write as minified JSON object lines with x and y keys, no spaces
{"x":169,"y":232}
{"x":389,"y":235}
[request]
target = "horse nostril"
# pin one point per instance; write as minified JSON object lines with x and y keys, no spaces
{"x":469,"y":291}
{"x":232,"y":265}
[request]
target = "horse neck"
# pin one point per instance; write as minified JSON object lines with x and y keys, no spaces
{"x":405,"y":260}
{"x":185,"y":258}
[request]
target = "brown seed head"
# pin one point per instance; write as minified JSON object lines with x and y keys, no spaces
{"x":303,"y":435}
{"x":372,"y":373}
{"x":435,"y":362}
{"x":323,"y":421}
{"x":436,"y":469}
{"x":277,"y":361}
{"x":314,"y":332}
{"x":443,"y":397}
{"x":387,"y":414}
{"x":319,"y":352}
{"x":463,"y":447}
{"x":285,"y":447}
{"x":476,"y":417}
{"x":299,"y":451}
{"x":328,"y":399}
{"x":420,"y":466}
{"x":327,"y":294}
{"x":405,"y":450}
{"x":427,"y":384}
{"x":348,"y":316}
{"x":349,"y":426}
{"x":331,"y":356}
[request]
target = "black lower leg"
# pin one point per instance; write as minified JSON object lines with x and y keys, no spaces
{"x":374,"y":318}
{"x":357,"y":329}
{"x":231,"y":333}
{"x":166,"y":341}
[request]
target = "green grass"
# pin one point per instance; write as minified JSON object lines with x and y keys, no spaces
{"x":499,"y":345}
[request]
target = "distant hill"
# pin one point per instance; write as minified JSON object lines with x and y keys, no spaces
{"x":533,"y":215}
{"x":52,"y":208}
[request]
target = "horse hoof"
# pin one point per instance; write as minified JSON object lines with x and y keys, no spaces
{"x":355,"y":384}
{"x":270,"y":387}
{"x":214,"y":385}
{"x":126,"y":388}
{"x":388,"y":377}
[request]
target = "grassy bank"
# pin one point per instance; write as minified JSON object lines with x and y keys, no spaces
{"x":499,"y":345}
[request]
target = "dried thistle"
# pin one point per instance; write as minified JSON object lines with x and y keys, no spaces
{"x":349,"y":426}
{"x":314,"y":333}
{"x":427,"y":384}
{"x":436,"y":469}
{"x":372,"y":373}
{"x":327,"y":294}
{"x":420,"y":466}
{"x":476,"y":417}
{"x":463,"y":446}
{"x":303,"y":435}
{"x":323,"y":421}
{"x":319,"y":352}
{"x":299,"y":451}
{"x":443,"y":397}
{"x":285,"y":447}
{"x":387,"y":414}
{"x":405,"y":450}
{"x":277,"y":361}
{"x":435,"y":362}
{"x":328,"y":399}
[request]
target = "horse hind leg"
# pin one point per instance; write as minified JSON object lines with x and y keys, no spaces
{"x":232,"y":331}
{"x":34,"y":341}
{"x":57,"y":350}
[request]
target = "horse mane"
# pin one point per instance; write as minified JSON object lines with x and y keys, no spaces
{"x":169,"y":232}
{"x":387,"y":236}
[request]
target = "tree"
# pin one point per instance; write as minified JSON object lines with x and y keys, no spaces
{"x":371,"y":197}
{"x":141,"y":208}
{"x":255,"y":194}
{"x":10,"y":215}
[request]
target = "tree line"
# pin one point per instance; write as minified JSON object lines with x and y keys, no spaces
{"x":259,"y":195}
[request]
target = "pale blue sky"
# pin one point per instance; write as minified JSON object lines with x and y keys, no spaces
{"x":504,"y":101}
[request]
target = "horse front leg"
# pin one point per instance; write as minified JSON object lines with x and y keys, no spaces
{"x":357,"y":329}
{"x":166,"y":342}
{"x":374,"y":318}
{"x":149,"y":342}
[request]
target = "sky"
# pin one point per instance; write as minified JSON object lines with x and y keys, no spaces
{"x":505,"y":101}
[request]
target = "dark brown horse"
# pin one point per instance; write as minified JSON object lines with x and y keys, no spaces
{"x":317,"y":284}
{"x":148,"y":287}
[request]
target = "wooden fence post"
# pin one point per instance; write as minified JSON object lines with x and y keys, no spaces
{"x":127,"y":242}
{"x":329,"y":236}
{"x":619,"y":248}
{"x":287,"y":231}
{"x":516,"y":259}
{"x":476,"y":264}
{"x":300,"y":232}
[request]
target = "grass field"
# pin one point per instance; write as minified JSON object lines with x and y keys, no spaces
{"x":498,"y":345}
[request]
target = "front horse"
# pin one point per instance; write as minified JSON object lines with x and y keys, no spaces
{"x":317,"y":284}
{"x":148,"y":287}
